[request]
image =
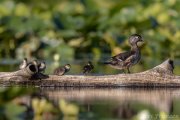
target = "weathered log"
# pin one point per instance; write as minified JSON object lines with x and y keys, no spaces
{"x":25,"y":73}
{"x":160,"y":76}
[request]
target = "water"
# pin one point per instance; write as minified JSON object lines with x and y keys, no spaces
{"x":111,"y":103}
{"x":120,"y":103}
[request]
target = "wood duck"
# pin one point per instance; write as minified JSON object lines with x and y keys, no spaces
{"x":35,"y":63}
{"x":41,"y":66}
{"x":127,"y":59}
{"x":62,"y":70}
{"x":23,"y":64}
{"x":88,"y":68}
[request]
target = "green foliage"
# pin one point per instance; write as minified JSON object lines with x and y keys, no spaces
{"x":8,"y":109}
{"x":72,"y":28}
{"x":13,"y":111}
{"x":10,"y":93}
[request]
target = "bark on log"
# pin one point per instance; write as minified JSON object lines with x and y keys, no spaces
{"x":25,"y":73}
{"x":159,"y":76}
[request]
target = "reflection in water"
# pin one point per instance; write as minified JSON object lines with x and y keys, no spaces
{"x":121,"y":99}
{"x":91,"y":103}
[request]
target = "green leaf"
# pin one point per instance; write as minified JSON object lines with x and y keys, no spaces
{"x":9,"y":94}
{"x":13,"y":111}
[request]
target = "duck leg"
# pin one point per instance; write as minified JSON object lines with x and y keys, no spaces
{"x":128,"y":70}
{"x":124,"y":71}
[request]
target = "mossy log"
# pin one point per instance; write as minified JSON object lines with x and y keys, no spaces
{"x":159,"y":76}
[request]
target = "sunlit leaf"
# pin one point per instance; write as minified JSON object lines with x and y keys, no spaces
{"x":22,"y":10}
{"x":68,"y":109}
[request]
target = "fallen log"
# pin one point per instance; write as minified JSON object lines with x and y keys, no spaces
{"x":24,"y":73}
{"x":159,"y":76}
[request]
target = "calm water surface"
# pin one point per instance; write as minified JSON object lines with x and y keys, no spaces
{"x":119,"y":103}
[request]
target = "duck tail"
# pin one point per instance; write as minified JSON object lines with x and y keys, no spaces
{"x":107,"y":62}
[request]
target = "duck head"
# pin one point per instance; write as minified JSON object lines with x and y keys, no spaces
{"x":43,"y":63}
{"x":35,"y":62}
{"x":134,"y":39}
{"x":67,"y":66}
{"x":90,"y":64}
{"x":25,"y":60}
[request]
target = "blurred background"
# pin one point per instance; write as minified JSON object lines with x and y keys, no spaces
{"x":76,"y":31}
{"x":72,"y":31}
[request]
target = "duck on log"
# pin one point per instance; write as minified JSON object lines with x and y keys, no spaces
{"x":159,"y":76}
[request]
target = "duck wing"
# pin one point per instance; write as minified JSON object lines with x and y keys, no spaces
{"x":129,"y":60}
{"x":86,"y":68}
{"x":132,"y":59}
{"x":59,"y":71}
{"x":122,"y":56}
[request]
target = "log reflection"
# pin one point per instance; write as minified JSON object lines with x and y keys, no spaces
{"x":159,"y":98}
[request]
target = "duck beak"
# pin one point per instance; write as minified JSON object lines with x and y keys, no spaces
{"x":142,"y":40}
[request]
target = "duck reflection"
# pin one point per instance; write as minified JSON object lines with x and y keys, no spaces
{"x":124,"y":111}
{"x":160,"y":99}
{"x":99,"y":103}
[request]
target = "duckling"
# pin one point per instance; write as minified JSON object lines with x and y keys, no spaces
{"x":35,"y":63}
{"x":41,"y":67}
{"x":127,"y":59}
{"x":62,"y":70}
{"x":88,"y":68}
{"x":23,"y":64}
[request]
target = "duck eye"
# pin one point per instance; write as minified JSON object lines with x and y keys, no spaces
{"x":137,"y":37}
